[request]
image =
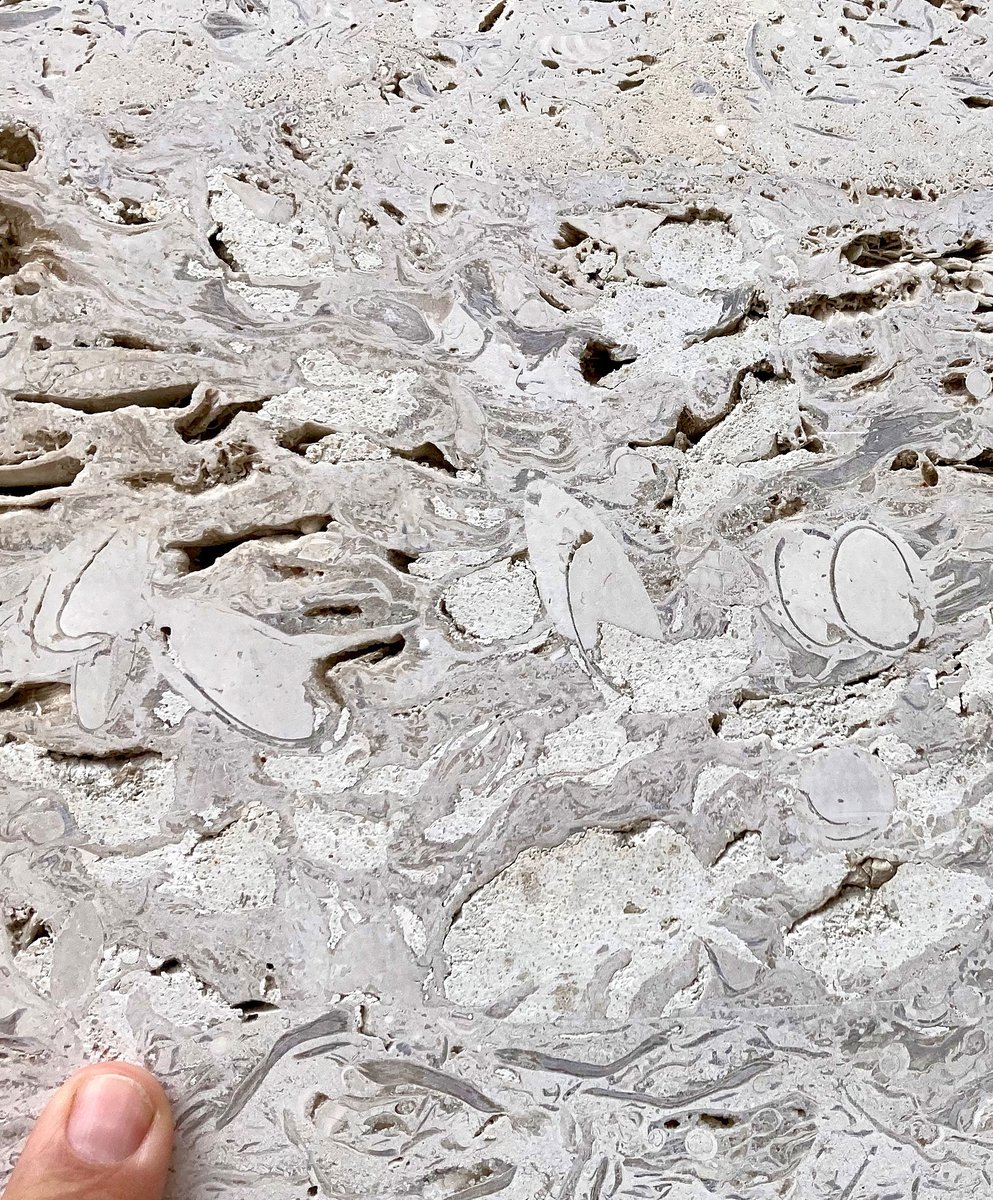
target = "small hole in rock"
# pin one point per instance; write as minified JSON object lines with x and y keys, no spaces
{"x":717,"y":1120}
{"x":24,"y":928}
{"x":400,"y":561}
{"x":569,"y":236}
{"x":332,"y":610}
{"x":871,"y":251}
{"x":300,"y":439}
{"x":600,"y":359}
{"x":222,"y":250}
{"x":170,"y":966}
{"x":375,"y":651}
{"x":906,"y":460}
{"x":250,"y":1009}
{"x":121,"y":140}
{"x":17,"y":148}
{"x":428,"y":455}
{"x":391,"y":210}
{"x":833,"y":364}
{"x":130,"y":212}
{"x":491,"y":18}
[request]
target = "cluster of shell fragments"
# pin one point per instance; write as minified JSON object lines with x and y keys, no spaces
{"x":496,"y":566}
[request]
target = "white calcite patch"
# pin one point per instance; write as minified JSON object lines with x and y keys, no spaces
{"x":494,"y":604}
{"x":616,"y":919}
{"x":595,"y":747}
{"x":265,"y":234}
{"x":112,"y":804}
{"x":349,"y":841}
{"x":231,"y":872}
{"x":869,"y":933}
{"x":335,"y":770}
{"x":342,"y":396}
{"x":548,"y":922}
{"x":676,"y":677}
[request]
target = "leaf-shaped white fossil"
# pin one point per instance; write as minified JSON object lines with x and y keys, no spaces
{"x":584,"y":577}
{"x":803,"y":568}
{"x":109,"y":593}
{"x":253,"y":675}
{"x":98,"y":682}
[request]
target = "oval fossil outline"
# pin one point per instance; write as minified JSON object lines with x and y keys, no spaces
{"x":835,"y":775}
{"x":787,"y":606}
{"x":824,"y":595}
{"x":913,"y":578}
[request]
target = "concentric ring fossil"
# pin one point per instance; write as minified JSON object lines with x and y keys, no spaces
{"x":847,"y":593}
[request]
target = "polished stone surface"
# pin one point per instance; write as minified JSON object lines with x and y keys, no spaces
{"x":495,"y":608}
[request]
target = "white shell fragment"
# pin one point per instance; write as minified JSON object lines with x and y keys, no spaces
{"x":878,"y":587}
{"x":101,"y":614}
{"x":857,"y":590}
{"x":496,"y":591}
{"x":850,"y":792}
{"x":584,"y":577}
{"x":979,"y":384}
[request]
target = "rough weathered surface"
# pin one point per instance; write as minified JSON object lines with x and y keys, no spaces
{"x":496,"y":590}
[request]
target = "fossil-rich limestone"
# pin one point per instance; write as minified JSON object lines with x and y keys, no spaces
{"x":496,"y":608}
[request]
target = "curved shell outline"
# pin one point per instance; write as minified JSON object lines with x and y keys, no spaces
{"x":858,"y":590}
{"x":849,"y":792}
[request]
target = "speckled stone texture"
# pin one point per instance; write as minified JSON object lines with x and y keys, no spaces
{"x":495,"y":607}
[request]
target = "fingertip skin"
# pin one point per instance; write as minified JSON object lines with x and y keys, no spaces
{"x":66,"y":1156}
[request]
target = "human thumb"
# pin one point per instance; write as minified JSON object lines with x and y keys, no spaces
{"x":105,"y":1135}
